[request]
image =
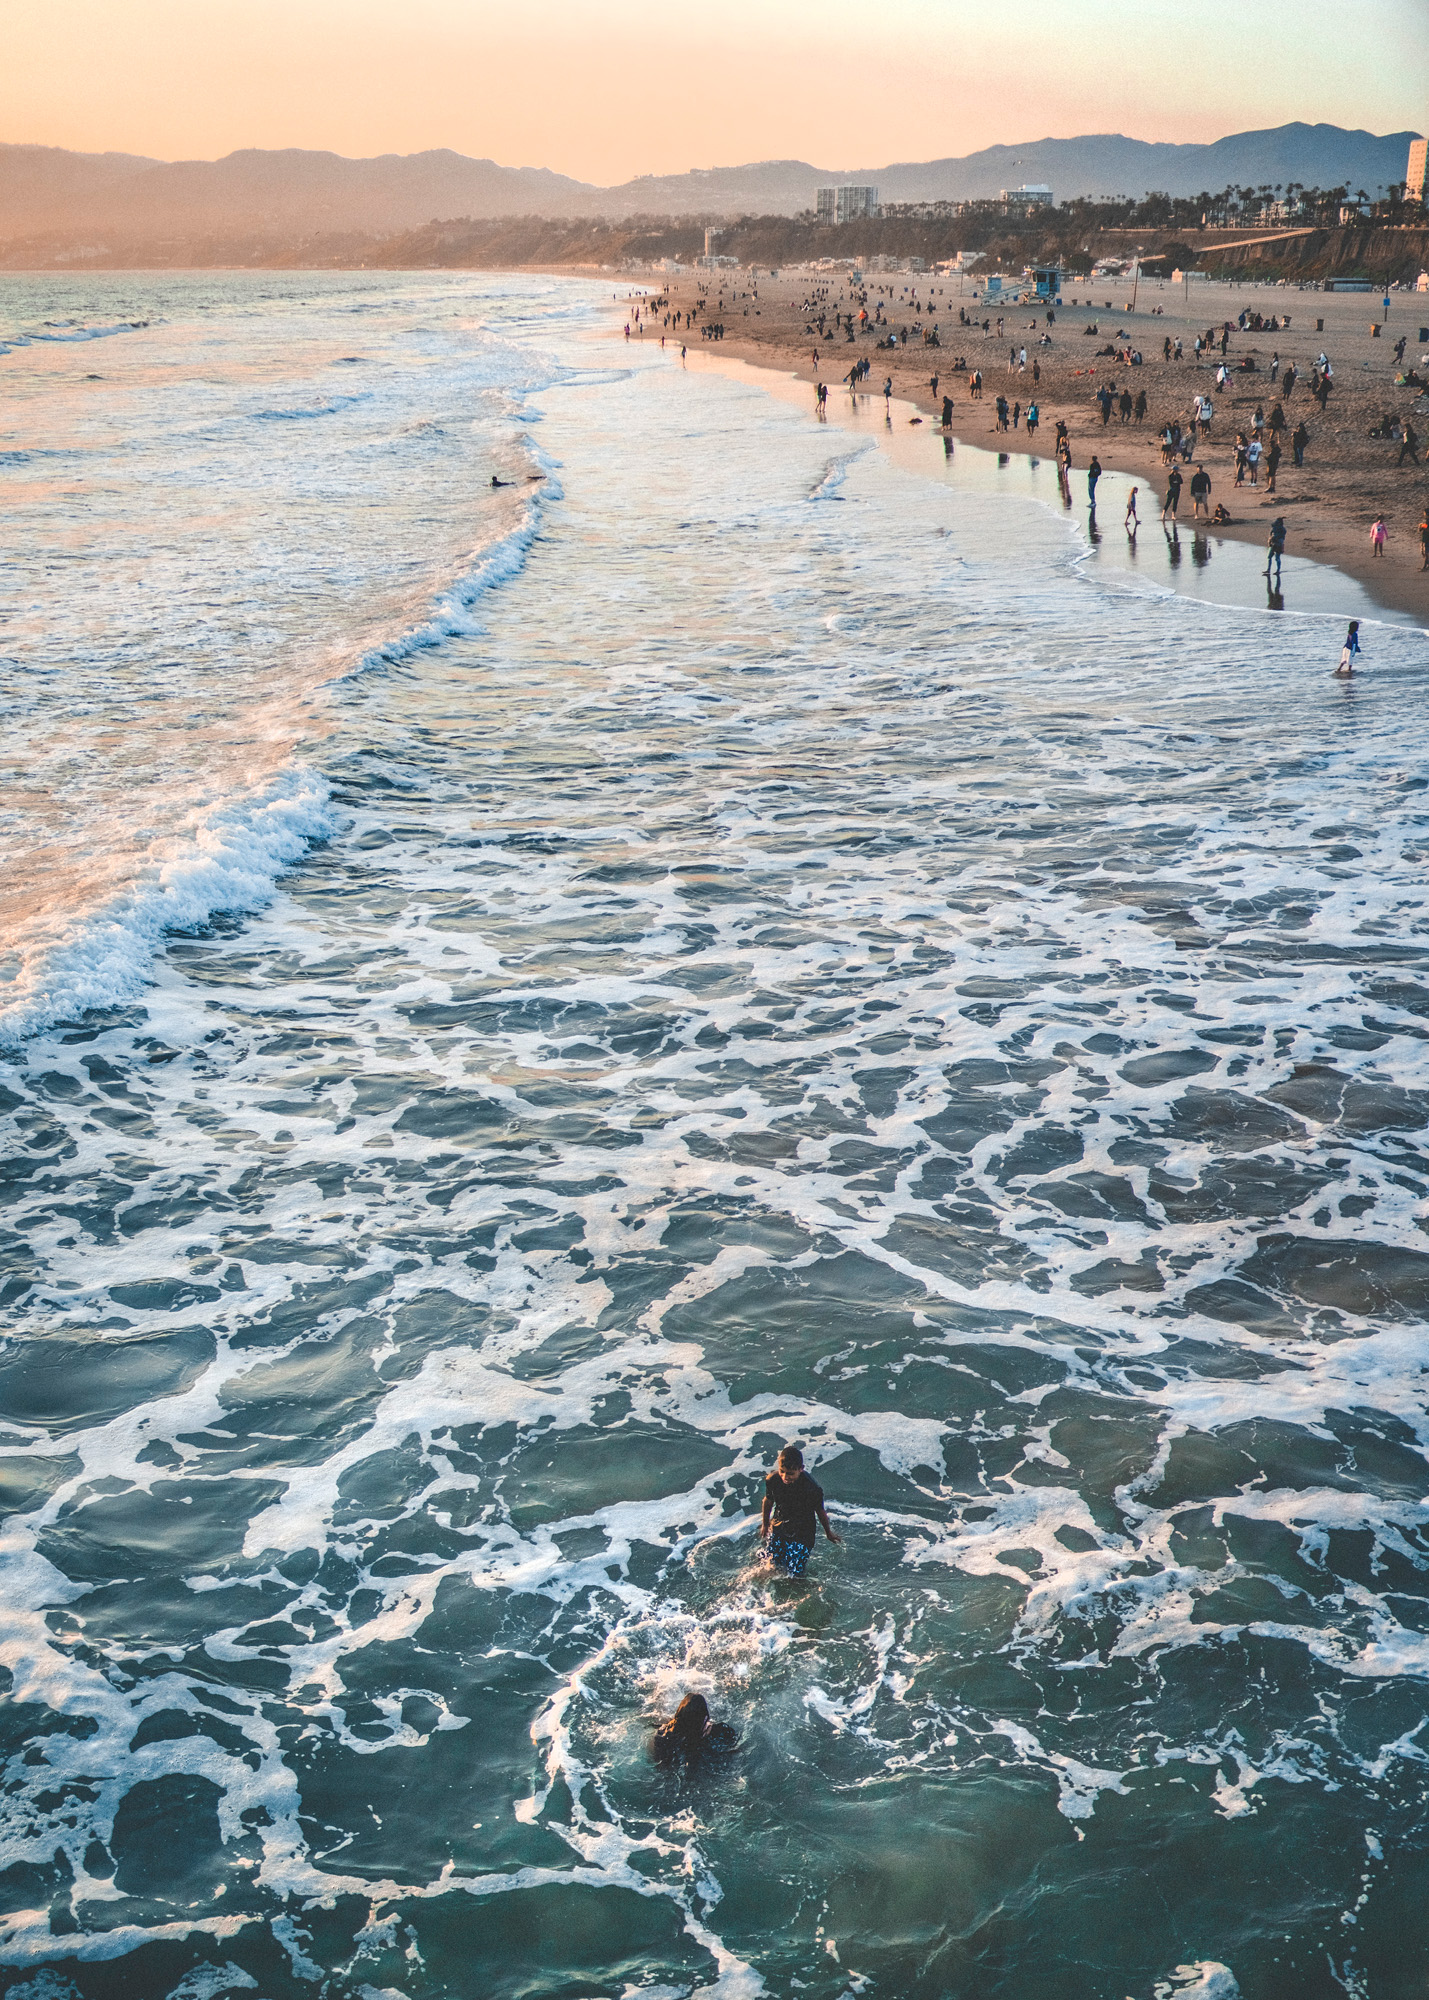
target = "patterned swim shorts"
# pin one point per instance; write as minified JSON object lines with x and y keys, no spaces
{"x":791,"y":1557}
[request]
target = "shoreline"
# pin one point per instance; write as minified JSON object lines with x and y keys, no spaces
{"x":1323,"y":505}
{"x":867,"y":420}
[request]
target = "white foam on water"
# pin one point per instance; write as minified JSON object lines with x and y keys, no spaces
{"x":750,"y":1004}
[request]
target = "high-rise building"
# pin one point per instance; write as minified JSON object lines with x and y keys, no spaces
{"x":1415,"y":176}
{"x":845,"y":204}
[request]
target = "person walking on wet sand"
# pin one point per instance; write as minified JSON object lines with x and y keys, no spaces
{"x":1200,"y":493}
{"x":1172,"y":501}
{"x":1275,"y":548}
{"x":1424,"y":540}
{"x":1132,"y":520}
{"x":1378,"y":535}
{"x":793,"y":1504}
{"x":1094,"y":473}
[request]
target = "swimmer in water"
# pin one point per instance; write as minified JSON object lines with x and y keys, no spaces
{"x":499,"y":482}
{"x":793,"y":1503}
{"x":690,"y":1734}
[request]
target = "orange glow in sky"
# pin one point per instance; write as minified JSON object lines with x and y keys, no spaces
{"x":607,"y":89}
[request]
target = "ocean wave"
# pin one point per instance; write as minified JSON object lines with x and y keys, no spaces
{"x":305,"y":411}
{"x":63,"y":331}
{"x":227,"y":860}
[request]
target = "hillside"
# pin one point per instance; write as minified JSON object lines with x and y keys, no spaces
{"x":46,"y":191}
{"x":56,"y":205}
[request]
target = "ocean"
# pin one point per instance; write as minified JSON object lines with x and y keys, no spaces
{"x":518,"y":1001}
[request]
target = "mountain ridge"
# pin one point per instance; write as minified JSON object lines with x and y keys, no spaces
{"x":50,"y":191}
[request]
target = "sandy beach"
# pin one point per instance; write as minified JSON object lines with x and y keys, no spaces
{"x":1328,"y":505}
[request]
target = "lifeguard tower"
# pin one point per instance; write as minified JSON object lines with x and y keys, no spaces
{"x":1047,"y":282}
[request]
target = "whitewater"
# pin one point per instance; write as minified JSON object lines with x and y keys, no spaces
{"x":517,"y":1000}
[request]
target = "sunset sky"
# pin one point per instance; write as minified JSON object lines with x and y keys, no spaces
{"x":607,"y":89}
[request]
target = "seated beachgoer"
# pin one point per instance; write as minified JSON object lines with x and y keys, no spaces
{"x":691,"y":1733}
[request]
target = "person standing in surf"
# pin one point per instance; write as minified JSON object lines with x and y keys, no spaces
{"x":1350,"y":651}
{"x":793,"y":1505}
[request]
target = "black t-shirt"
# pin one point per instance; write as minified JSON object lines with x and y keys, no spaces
{"x":795,"y":1507}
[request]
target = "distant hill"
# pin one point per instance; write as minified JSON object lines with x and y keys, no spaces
{"x":41,"y":187}
{"x":44,"y":190}
{"x":1102,"y":165}
{"x":49,"y":196}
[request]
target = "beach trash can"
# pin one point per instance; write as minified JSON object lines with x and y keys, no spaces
{"x":1319,"y":326}
{"x":1374,"y":329}
{"x":1424,"y":333}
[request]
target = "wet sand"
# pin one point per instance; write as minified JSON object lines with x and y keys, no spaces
{"x":1328,"y":505}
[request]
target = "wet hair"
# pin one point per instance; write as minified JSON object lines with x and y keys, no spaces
{"x":791,"y":1455}
{"x":685,"y":1731}
{"x":1354,"y":624}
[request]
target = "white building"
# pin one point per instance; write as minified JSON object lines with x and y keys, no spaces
{"x":1418,"y":148}
{"x":1032,"y":194}
{"x":845,"y":204}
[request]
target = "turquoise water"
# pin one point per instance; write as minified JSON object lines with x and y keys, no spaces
{"x":523,"y":1001}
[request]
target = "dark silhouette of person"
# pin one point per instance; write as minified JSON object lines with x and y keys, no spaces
{"x":690,"y":1734}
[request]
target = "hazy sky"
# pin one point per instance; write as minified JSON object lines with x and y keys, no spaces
{"x":606,"y":89}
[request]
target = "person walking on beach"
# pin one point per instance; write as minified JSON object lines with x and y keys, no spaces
{"x":793,"y":1504}
{"x":1200,"y":493}
{"x":1272,"y":463}
{"x":1378,"y":535}
{"x":1299,"y":438}
{"x":1094,"y":473}
{"x":1424,"y":540}
{"x":1350,"y":651}
{"x":1032,"y":419}
{"x":1131,"y":520}
{"x":1275,"y":547}
{"x":1409,"y":442}
{"x":1174,"y":483}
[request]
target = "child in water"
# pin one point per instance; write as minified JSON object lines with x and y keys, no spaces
{"x":1349,"y":653}
{"x":690,"y":1733}
{"x":793,"y":1503}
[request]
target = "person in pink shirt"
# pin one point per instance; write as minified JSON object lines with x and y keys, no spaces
{"x":1378,"y":535}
